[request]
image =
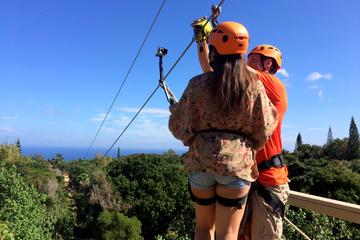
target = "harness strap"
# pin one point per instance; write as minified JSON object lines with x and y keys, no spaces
{"x":227,"y":202}
{"x":271,"y":199}
{"x":201,"y":201}
{"x":274,"y":161}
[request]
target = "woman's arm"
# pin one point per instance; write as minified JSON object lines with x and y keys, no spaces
{"x":264,"y":118}
{"x":180,"y":122}
{"x":203,"y":55}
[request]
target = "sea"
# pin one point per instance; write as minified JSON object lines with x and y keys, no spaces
{"x":75,"y":153}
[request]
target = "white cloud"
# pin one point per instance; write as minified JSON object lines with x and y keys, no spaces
{"x":314,"y":76}
{"x":283,"y":72}
{"x":314,"y":86}
{"x":321,"y":95}
{"x":8,"y":117}
{"x":153,"y":111}
{"x":100,"y":117}
{"x":7,"y":129}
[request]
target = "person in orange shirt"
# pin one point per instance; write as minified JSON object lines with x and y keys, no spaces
{"x":270,"y":193}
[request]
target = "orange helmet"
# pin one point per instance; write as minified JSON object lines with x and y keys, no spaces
{"x":269,"y":51}
{"x":229,"y":38}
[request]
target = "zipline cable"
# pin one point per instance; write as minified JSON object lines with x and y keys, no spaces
{"x":152,"y":94}
{"x":125,"y":78}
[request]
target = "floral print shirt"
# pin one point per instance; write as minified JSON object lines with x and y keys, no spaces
{"x":222,"y":143}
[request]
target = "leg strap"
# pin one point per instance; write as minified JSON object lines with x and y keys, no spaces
{"x":227,"y":202}
{"x":201,"y":201}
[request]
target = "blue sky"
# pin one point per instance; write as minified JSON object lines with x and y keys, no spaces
{"x":62,"y":62}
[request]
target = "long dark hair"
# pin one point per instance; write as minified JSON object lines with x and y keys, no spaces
{"x":235,"y":82}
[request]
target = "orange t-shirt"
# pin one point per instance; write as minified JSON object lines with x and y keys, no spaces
{"x":275,"y":90}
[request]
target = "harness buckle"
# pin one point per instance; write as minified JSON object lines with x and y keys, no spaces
{"x":275,"y":161}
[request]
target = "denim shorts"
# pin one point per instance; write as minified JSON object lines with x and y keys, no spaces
{"x":205,"y":181}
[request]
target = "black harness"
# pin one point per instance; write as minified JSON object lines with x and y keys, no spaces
{"x":275,"y":161}
{"x":227,"y":202}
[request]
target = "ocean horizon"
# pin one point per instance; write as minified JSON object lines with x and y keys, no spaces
{"x":75,"y":153}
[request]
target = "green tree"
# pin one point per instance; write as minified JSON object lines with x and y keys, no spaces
{"x":118,"y":153}
{"x":329,"y":137}
{"x":306,"y":151}
{"x":318,"y":226}
{"x":23,"y":208}
{"x":18,"y":145}
{"x":155,"y":187}
{"x":298,"y":142}
{"x":5,"y":233}
{"x":115,"y":225}
{"x":58,"y":161}
{"x":9,"y":154}
{"x":336,"y":149}
{"x":353,"y":147}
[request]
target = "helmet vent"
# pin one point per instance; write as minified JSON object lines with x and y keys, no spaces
{"x":225,"y":38}
{"x":261,"y":48}
{"x":220,"y":31}
{"x":240,"y":45}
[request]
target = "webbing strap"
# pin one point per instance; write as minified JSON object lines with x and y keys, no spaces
{"x":201,"y":201}
{"x":270,"y":198}
{"x":274,"y":161}
{"x":228,"y":202}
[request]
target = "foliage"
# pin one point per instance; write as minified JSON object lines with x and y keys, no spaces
{"x":321,"y":177}
{"x":114,"y":225}
{"x":18,"y":145}
{"x":298,"y":142}
{"x":64,"y":226}
{"x":40,"y":174}
{"x":10,"y":154}
{"x":336,"y":149}
{"x":353,"y":147}
{"x":156,"y":189}
{"x":58,"y":161}
{"x":318,"y":226}
{"x":23,"y":208}
{"x":306,"y":151}
{"x":93,"y":193}
{"x":5,"y":233}
{"x":355,"y":165}
{"x":118,"y":153}
{"x":329,"y":137}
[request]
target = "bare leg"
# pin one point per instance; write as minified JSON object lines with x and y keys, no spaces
{"x":205,"y":216}
{"x":228,"y":219}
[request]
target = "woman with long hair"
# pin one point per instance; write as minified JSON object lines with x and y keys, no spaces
{"x":223,"y":116}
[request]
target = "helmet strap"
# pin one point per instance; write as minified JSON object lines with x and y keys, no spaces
{"x":263,"y":58}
